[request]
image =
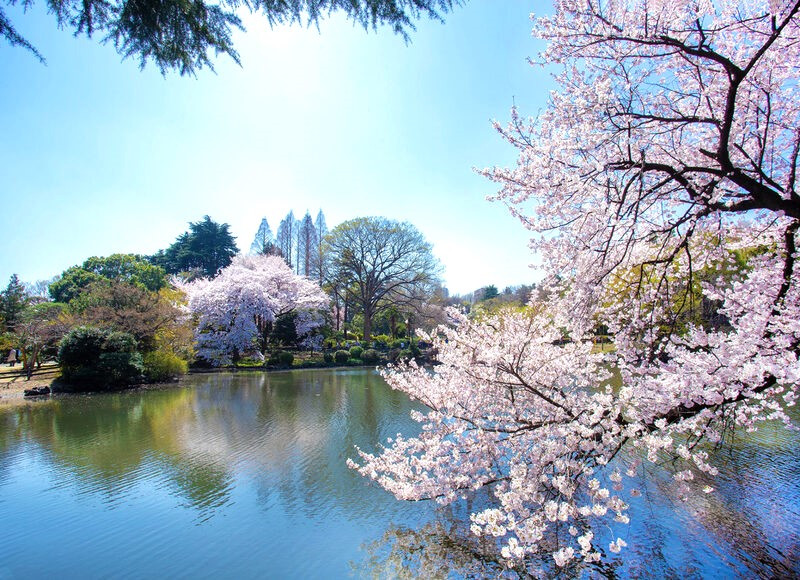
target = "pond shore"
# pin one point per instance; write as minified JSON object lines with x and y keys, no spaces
{"x":13,"y":383}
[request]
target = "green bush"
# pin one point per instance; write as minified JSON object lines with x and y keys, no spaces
{"x":356,"y":351}
{"x":398,"y":343}
{"x":93,"y":358}
{"x":341,"y":356}
{"x":281,"y":358}
{"x":327,"y":357}
{"x":160,"y":366}
{"x":370,"y":356}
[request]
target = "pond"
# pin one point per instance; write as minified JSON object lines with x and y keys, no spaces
{"x":243,"y":475}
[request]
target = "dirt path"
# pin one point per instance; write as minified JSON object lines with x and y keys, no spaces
{"x":13,"y":382}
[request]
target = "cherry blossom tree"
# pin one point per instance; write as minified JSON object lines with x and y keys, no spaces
{"x":236,"y":310}
{"x":669,"y":152}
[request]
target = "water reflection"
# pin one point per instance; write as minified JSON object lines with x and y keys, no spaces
{"x":263,"y":454}
{"x":244,"y":475}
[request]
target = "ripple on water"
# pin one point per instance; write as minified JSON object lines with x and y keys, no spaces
{"x":245,"y":475}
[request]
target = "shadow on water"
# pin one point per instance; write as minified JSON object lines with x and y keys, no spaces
{"x":245,"y":474}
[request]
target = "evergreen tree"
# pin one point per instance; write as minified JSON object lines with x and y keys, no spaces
{"x":13,"y":301}
{"x":181,"y":36}
{"x":205,"y":249}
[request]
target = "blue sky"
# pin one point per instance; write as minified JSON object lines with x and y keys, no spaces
{"x":98,"y":157}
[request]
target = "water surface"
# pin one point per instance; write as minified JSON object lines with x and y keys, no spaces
{"x":243,"y":476}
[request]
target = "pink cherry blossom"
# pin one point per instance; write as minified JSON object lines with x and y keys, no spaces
{"x":236,"y":310}
{"x":660,"y":186}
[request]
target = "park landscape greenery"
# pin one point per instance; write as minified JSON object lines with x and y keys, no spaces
{"x":660,"y":187}
{"x":128,"y":319}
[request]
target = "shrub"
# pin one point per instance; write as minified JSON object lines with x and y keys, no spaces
{"x":356,"y":351}
{"x":354,"y":362}
{"x":161,"y":366}
{"x":286,"y":358}
{"x":370,"y":356}
{"x":327,"y":357}
{"x":93,"y":358}
{"x":341,"y":356}
{"x":281,"y":358}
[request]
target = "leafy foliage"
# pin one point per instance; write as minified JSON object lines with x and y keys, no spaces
{"x":161,"y":366}
{"x":131,"y":269}
{"x":180,"y":35}
{"x":381,"y":263}
{"x":204,"y":250}
{"x":13,"y":301}
{"x":281,"y":358}
{"x":94,"y":358}
{"x":370,"y":356}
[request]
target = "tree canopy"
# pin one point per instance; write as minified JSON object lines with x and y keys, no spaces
{"x":382,"y":262}
{"x":204,"y":250}
{"x":13,"y":301}
{"x":181,"y":36}
{"x":237,"y":310}
{"x":671,"y":146}
{"x":129,"y":268}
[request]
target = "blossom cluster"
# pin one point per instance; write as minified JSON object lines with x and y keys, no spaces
{"x":660,"y":188}
{"x":236,"y":310}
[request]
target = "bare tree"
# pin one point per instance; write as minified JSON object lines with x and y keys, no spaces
{"x":264,"y":241}
{"x":306,"y":246}
{"x":321,"y":229}
{"x":287,"y":232}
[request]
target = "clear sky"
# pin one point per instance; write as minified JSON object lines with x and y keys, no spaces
{"x":98,"y":157}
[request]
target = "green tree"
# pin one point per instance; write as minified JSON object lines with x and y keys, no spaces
{"x":129,"y":268}
{"x":94,"y":358}
{"x":13,"y":301}
{"x":490,"y":292}
{"x":179,"y":35}
{"x":204,"y":250}
{"x":386,"y":263}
